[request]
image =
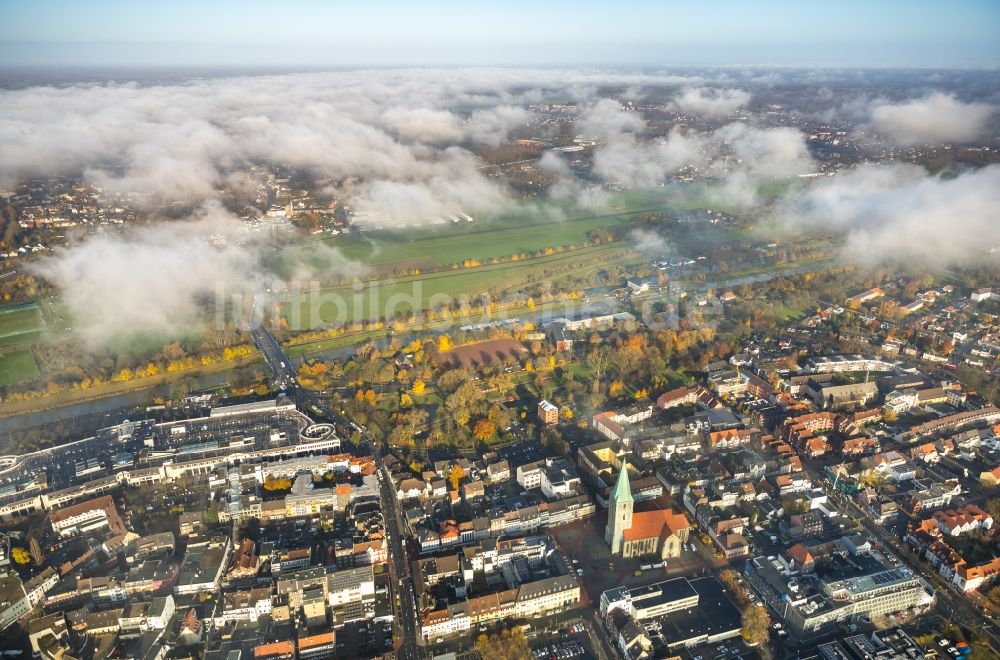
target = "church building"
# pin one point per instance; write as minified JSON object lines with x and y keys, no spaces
{"x":658,"y":533}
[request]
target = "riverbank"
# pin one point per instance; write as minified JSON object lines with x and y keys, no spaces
{"x":21,"y":415}
{"x":50,"y":402}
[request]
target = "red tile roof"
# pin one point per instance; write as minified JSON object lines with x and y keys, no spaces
{"x":661,"y":524}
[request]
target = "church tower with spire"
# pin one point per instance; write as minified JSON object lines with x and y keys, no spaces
{"x":619,"y":512}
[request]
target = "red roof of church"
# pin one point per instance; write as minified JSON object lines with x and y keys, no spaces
{"x":661,"y":524}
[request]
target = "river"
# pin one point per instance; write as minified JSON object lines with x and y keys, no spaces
{"x":115,"y":408}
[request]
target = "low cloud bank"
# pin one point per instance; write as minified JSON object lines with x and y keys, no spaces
{"x":934,"y":119}
{"x":712,"y":103}
{"x":403,"y":143}
{"x":899,"y":214}
{"x":740,"y":153}
{"x":166,"y":280}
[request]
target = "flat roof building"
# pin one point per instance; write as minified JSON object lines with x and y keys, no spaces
{"x":812,"y":605}
{"x":686,"y":612}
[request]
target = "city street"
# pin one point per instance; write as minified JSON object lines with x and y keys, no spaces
{"x":406,"y":611}
{"x":407,"y":626}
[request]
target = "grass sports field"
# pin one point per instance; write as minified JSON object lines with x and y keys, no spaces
{"x":17,"y":366}
{"x":19,"y":323}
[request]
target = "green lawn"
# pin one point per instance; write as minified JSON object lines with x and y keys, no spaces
{"x":454,"y":244}
{"x":576,"y":371}
{"x":19,"y":323}
{"x":678,"y":378}
{"x":17,"y":366}
{"x":527,"y":228}
{"x":347,"y":303}
{"x":786,"y":313}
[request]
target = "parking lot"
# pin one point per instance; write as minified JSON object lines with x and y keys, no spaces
{"x":564,"y":637}
{"x":558,"y":650}
{"x":364,"y":637}
{"x":100,"y":455}
{"x":732,"y":648}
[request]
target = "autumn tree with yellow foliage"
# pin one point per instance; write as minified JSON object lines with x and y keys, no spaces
{"x":507,"y":645}
{"x":484,"y":430}
{"x":444,"y":343}
{"x":455,"y":476}
{"x":272,"y":483}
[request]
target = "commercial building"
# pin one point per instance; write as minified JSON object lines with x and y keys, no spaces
{"x":678,"y":613}
{"x":862,"y":585}
{"x":888,"y":644}
{"x":833,"y":396}
{"x":203,"y":566}
{"x":51,"y":629}
{"x":351,"y":585}
{"x":530,"y":600}
{"x":92,"y":515}
{"x":614,"y":424}
{"x":321,"y":645}
{"x":650,"y":601}
{"x":556,"y":477}
{"x":842,"y":363}
{"x":13,"y":601}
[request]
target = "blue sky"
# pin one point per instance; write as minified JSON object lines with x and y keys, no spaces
{"x":292,"y":33}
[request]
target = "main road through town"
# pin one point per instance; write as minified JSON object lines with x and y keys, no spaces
{"x":402,"y":582}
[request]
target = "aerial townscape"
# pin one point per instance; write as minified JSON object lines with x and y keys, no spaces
{"x":438,"y":331}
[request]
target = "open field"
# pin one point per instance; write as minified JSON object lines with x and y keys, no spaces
{"x":527,"y":228}
{"x":786,"y":313}
{"x":498,"y":238}
{"x":372,"y":300}
{"x":423,"y":264}
{"x":390,"y":254}
{"x":19,"y":323}
{"x":17,"y":366}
